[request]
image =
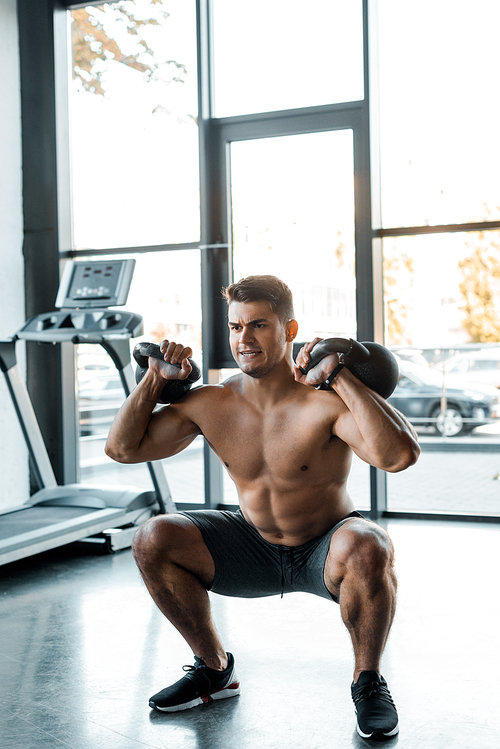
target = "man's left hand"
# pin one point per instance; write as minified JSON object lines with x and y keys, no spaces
{"x":320,"y":372}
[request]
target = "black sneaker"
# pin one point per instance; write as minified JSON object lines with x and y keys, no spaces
{"x":201,"y":684}
{"x":375,"y":708}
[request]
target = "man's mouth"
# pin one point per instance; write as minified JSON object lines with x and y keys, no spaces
{"x":250,"y":353}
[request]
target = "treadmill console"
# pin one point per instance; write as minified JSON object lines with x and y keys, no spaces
{"x":88,"y":288}
{"x":82,"y":326}
{"x":95,"y":283}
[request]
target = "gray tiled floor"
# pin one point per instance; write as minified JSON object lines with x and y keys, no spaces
{"x":82,"y":647}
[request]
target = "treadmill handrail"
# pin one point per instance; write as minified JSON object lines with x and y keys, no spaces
{"x":40,"y":460}
{"x":115,"y":341}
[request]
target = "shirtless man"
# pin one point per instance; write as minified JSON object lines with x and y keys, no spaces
{"x":288,"y":447}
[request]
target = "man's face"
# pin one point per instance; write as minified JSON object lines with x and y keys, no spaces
{"x":258,"y":339}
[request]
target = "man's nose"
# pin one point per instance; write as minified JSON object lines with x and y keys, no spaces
{"x":246,"y":334}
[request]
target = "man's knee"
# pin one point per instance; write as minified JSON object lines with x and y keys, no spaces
{"x":363,"y":549}
{"x":159,"y":538}
{"x":169,"y":542}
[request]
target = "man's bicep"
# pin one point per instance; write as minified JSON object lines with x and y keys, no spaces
{"x":169,"y":432}
{"x":346,"y":429}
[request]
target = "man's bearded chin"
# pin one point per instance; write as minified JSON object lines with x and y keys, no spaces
{"x":258,"y":371}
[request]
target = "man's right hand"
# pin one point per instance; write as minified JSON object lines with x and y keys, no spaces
{"x":141,"y":432}
{"x":173,"y":354}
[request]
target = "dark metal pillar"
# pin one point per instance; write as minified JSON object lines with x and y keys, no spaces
{"x":214,"y":240}
{"x":36,"y":42}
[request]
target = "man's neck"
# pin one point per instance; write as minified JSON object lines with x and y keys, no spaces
{"x":276,"y":386}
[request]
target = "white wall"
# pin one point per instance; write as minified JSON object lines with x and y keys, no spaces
{"x":14,"y":484}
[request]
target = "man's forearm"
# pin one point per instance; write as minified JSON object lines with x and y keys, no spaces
{"x":132,"y":420}
{"x":390,"y":439}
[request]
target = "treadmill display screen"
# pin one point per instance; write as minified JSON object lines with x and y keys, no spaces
{"x":92,"y":283}
{"x":96,"y":283}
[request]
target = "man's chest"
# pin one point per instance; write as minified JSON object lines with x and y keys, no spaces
{"x":278,"y":443}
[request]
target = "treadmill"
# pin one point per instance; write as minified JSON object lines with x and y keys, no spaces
{"x":56,"y":515}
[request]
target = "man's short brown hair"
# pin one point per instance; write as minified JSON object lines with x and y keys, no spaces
{"x":263,"y":288}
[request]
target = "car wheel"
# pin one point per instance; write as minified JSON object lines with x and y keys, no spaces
{"x":451,"y":424}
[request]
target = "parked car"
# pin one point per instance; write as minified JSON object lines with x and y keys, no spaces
{"x":477,"y":365}
{"x":418,"y":396}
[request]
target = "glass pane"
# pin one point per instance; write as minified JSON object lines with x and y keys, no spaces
{"x":442,"y":289}
{"x":463,"y":481}
{"x":284,"y":55}
{"x":166,"y":314}
{"x":293,"y":217}
{"x":358,"y":484}
{"x":442,"y":304}
{"x":440,"y":151}
{"x":134,"y":134}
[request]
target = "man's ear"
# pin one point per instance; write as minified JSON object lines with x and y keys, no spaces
{"x":292,"y":328}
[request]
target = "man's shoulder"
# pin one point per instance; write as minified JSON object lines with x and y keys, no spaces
{"x":314,"y":393}
{"x":213,"y":393}
{"x":207,"y":403}
{"x":328,"y":402}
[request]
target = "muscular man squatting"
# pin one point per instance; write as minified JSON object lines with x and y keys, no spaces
{"x":288,"y":448}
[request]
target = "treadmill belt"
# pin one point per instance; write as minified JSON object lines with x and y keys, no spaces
{"x":35,"y":518}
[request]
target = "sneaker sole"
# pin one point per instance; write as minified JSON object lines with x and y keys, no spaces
{"x":230,"y":691}
{"x":378,"y":735}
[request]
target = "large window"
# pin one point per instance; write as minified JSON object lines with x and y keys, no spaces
{"x":275,"y":94}
{"x":135,"y":184}
{"x":284,"y":55}
{"x":134,"y":133}
{"x":442,"y":297}
{"x":438,"y":69}
{"x":440,"y":153}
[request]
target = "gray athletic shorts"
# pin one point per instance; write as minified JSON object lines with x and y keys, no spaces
{"x":248,"y":566}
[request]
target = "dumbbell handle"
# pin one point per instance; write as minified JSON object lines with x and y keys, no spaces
{"x":371,"y":363}
{"x":143,"y":351}
{"x":173,"y":389}
{"x":346,"y":346}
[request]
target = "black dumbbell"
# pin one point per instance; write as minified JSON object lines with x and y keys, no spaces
{"x":370,"y":362}
{"x":174,"y":389}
